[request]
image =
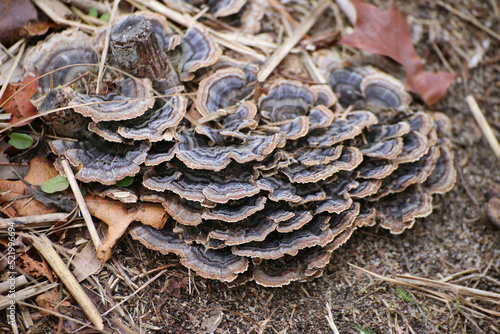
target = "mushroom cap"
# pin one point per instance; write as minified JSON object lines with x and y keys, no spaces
{"x":198,"y":50}
{"x":58,"y":54}
{"x":132,"y":99}
{"x":222,"y":89}
{"x":100,"y":161}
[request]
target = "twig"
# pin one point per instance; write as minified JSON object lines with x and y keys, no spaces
{"x":457,"y":289}
{"x":45,"y":6}
{"x":46,"y":218}
{"x":19,"y":281}
{"x":136,"y":291}
{"x":329,"y":318}
{"x":87,"y":4}
{"x":453,"y":276}
{"x":81,"y":203}
{"x":57,"y":314}
{"x":10,"y":51}
{"x":290,"y":42}
{"x":12,"y":69}
{"x":106,"y":45}
{"x":43,"y":245}
{"x":27,"y":292}
{"x":470,"y":19}
{"x":483,"y":124}
{"x":187,"y":21}
{"x":349,"y":10}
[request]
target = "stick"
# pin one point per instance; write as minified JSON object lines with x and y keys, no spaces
{"x":187,"y":21}
{"x":81,"y":203}
{"x":106,"y":45}
{"x":290,"y":42}
{"x":483,"y":124}
{"x":456,"y":289}
{"x":12,"y":69}
{"x":470,"y":19}
{"x":19,"y":281}
{"x":46,"y":218}
{"x":43,"y":245}
{"x":26,"y":293}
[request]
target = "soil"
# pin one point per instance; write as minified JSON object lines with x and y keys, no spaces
{"x":457,"y":237}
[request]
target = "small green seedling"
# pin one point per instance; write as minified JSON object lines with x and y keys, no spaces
{"x":93,"y":12}
{"x":405,"y":295}
{"x":125,"y":182}
{"x":105,"y":17}
{"x":366,"y":331}
{"x":21,"y":141}
{"x":55,"y":184}
{"x":457,"y":305}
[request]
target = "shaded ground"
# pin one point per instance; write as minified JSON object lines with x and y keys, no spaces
{"x":455,"y":238}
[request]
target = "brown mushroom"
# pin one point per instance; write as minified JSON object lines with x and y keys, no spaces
{"x":198,"y":50}
{"x":132,"y":99}
{"x":100,"y":161}
{"x":65,"y":55}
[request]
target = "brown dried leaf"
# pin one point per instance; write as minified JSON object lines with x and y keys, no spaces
{"x":35,"y":268}
{"x":118,"y":216}
{"x":41,"y":170}
{"x":388,"y":33}
{"x":49,"y":300}
{"x":86,"y":263}
{"x":15,"y":15}
{"x":20,"y":105}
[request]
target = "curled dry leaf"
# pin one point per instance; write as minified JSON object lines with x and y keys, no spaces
{"x":41,"y":170}
{"x":35,"y":268}
{"x":20,"y":105}
{"x":118,"y":216}
{"x":388,"y":33}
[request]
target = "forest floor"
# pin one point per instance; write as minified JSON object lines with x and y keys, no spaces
{"x":456,"y":244}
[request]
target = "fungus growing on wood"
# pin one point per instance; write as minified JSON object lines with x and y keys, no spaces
{"x":262,"y":185}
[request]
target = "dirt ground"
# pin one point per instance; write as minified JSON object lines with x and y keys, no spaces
{"x":456,"y":239}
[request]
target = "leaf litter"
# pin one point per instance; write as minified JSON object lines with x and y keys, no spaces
{"x":388,"y":33}
{"x":324,"y":290}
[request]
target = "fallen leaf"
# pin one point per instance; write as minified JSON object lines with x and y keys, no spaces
{"x":19,"y":105}
{"x":175,"y":284}
{"x":41,"y":170}
{"x":49,"y":300}
{"x":35,"y":268}
{"x":388,"y":33}
{"x":118,"y":216}
{"x":56,"y":184}
{"x":37,"y":28}
{"x":86,"y":263}
{"x":15,"y":15}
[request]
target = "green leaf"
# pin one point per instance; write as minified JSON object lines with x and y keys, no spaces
{"x":104,"y":17}
{"x":125,"y":182}
{"x":363,"y":330}
{"x":93,"y":12}
{"x":83,"y":191}
{"x":21,"y":141}
{"x":55,"y":184}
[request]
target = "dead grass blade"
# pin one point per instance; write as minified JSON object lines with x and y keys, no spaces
{"x":44,"y":246}
{"x":290,"y":42}
{"x":483,"y":124}
{"x":427,"y":286}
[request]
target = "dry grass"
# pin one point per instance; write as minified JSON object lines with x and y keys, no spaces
{"x":443,"y":276}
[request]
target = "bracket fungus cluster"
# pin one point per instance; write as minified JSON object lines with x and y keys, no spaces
{"x":260,"y":188}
